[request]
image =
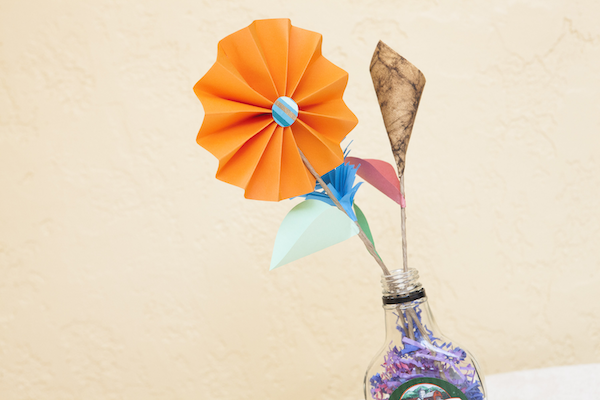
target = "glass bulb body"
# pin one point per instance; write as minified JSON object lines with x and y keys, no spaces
{"x":417,"y":361}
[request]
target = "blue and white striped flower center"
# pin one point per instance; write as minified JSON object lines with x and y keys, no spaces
{"x":285,"y":111}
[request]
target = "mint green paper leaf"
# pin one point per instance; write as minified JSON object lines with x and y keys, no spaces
{"x":309,"y":227}
{"x":362,"y":221}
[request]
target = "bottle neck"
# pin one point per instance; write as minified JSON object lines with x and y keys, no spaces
{"x":405,"y":304}
{"x":400,"y":287}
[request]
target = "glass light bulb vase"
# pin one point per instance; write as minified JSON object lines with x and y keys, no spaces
{"x":417,"y":362}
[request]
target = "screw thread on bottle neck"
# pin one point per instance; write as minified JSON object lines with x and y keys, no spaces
{"x":399,"y":282}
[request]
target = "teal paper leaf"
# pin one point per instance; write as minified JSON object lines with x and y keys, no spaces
{"x":364,"y":225}
{"x":309,"y":227}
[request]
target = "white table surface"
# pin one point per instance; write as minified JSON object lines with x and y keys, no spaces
{"x":569,"y":382}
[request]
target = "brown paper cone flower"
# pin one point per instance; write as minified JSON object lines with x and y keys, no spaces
{"x":399,"y":86}
{"x":269,"y":94}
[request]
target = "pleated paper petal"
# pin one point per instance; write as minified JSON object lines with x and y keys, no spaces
{"x":380,"y":174}
{"x":309,"y":227}
{"x":255,"y":67}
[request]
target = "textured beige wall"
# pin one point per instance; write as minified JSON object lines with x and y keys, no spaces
{"x":128,"y":272}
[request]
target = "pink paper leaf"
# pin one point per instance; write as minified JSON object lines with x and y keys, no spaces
{"x":380,"y":174}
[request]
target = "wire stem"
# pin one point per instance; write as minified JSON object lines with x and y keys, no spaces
{"x":403,"y":226}
{"x":361,"y":233}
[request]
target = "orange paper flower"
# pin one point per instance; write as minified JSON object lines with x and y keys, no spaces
{"x":270,"y":93}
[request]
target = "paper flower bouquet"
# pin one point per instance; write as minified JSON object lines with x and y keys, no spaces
{"x":275,"y":118}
